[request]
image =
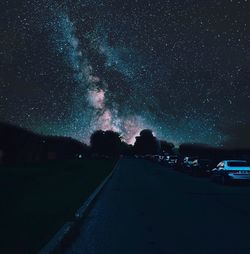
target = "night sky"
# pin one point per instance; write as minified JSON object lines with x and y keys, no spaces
{"x":178,"y":67}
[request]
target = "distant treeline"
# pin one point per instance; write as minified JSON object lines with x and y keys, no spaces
{"x":110,"y":143}
{"x":21,"y":145}
{"x":213,"y":152}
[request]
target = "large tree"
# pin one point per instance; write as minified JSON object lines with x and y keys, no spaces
{"x":107,"y":143}
{"x":146,"y":143}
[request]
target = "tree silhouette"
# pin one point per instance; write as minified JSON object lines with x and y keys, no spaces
{"x":127,"y":149}
{"x":166,"y":147}
{"x":21,"y":145}
{"x":106,"y":143}
{"x":146,"y":143}
{"x":97,"y":142}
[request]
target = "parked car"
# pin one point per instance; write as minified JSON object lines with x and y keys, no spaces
{"x":187,"y":163}
{"x":148,"y":157}
{"x":157,"y":158}
{"x":165,"y":159}
{"x":201,"y":167}
{"x":172,"y":161}
{"x":231,"y":170}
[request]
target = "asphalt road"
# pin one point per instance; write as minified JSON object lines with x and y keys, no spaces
{"x":146,"y":208}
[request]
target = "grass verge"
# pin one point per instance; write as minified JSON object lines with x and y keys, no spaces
{"x":36,"y":200}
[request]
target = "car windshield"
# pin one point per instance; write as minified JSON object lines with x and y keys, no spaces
{"x":239,"y":164}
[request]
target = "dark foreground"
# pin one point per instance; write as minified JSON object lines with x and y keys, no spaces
{"x":38,"y":199}
{"x":146,"y":208}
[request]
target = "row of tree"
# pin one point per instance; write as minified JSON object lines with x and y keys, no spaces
{"x":214,"y":153}
{"x":110,"y":143}
{"x":20,"y":145}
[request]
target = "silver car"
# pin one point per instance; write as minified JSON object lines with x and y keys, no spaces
{"x":231,"y":170}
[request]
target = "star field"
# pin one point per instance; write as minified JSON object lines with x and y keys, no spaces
{"x":180,"y":68}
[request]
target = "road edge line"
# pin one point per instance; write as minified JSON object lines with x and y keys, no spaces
{"x":70,"y":228}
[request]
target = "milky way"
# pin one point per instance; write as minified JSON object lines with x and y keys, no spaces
{"x":180,"y":68}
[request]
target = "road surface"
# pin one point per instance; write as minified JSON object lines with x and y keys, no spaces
{"x":149,"y":209}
